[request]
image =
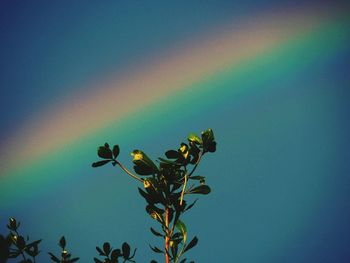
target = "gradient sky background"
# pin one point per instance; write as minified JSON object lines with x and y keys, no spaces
{"x":271,"y":78}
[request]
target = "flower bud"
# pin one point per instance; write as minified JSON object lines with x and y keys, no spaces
{"x":146,"y":183}
{"x":154,"y":215}
{"x":137,"y":155}
{"x":64,"y":253}
{"x":13,"y":224}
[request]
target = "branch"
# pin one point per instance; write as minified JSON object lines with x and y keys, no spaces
{"x":129,"y":173}
{"x":189,"y":175}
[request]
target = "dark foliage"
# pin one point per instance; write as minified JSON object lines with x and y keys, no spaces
{"x":165,"y":189}
{"x":165,"y":186}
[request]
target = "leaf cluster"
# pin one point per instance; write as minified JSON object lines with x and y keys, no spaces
{"x":65,"y":257}
{"x":166,"y":183}
{"x":111,"y":255}
{"x":16,"y":246}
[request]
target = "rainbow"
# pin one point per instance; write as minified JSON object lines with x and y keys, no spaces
{"x":195,"y":70}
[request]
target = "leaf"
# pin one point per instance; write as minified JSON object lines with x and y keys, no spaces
{"x":34,"y":243}
{"x":100,"y":163}
{"x":99,"y":250}
{"x":62,"y":242}
{"x":172,"y":154}
{"x":209,"y":143}
{"x":97,"y":260}
{"x":202,"y":189}
{"x":192,"y":243}
{"x":142,"y":169}
{"x":156,"y":233}
{"x":106,"y":248}
{"x":104,"y":152}
{"x":74,"y":260}
{"x":211,"y":147}
{"x":126,"y":250}
{"x":116,"y":253}
{"x":143,"y":193}
{"x":169,"y":162}
{"x":54,"y":258}
{"x":116,"y":151}
{"x":13,"y":224}
{"x":140,"y":158}
{"x":21,"y":243}
{"x":194,"y":138}
{"x":191,"y":205}
{"x":197,"y":177}
{"x":133,"y":254}
{"x":153,"y":261}
{"x":156,"y":249}
{"x":182,"y":228}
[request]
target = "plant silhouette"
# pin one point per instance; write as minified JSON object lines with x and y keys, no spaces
{"x":166,"y":186}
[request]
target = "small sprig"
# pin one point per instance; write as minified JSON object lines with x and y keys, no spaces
{"x":111,"y":255}
{"x":65,"y":257}
{"x":16,"y":245}
{"x":110,"y":156}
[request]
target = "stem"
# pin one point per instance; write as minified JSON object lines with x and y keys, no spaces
{"x":167,"y":237}
{"x":195,"y":167}
{"x":183,"y":189}
{"x":128,"y":172}
{"x":188,"y":175}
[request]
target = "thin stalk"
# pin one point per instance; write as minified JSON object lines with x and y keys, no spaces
{"x":129,"y":173}
{"x":188,"y":175}
{"x":183,"y":189}
{"x":195,"y":166}
{"x":167,"y":236}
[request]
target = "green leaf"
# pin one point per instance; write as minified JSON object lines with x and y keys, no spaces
{"x":13,"y":224}
{"x":156,"y":233}
{"x":202,"y":189}
{"x":34,"y":243}
{"x":191,"y":205}
{"x":62,"y":242}
{"x":194,"y":138}
{"x":54,"y":258}
{"x":156,"y":249}
{"x":116,"y":151}
{"x":104,"y":152}
{"x":192,"y":243}
{"x":126,"y":250}
{"x":21,"y":243}
{"x":142,"y":169}
{"x":211,"y":147}
{"x":209,"y":144}
{"x":169,"y":162}
{"x":197,"y":177}
{"x":172,"y":154}
{"x":116,"y":253}
{"x":100,"y":163}
{"x":140,"y":159}
{"x":182,"y":228}
{"x":99,"y":250}
{"x":107,"y":248}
